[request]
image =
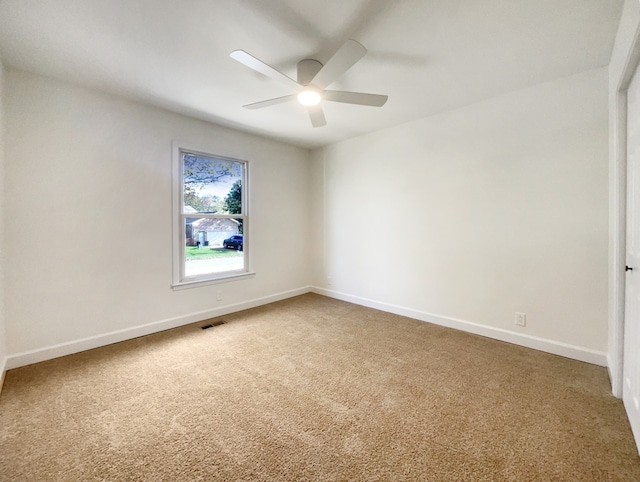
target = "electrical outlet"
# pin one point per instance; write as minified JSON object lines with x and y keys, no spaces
{"x":219,"y":295}
{"x":521,"y":319}
{"x":329,"y":281}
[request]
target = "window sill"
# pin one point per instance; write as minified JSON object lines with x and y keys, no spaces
{"x":184,"y":285}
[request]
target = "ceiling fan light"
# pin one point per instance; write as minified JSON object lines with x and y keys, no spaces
{"x":309,"y":97}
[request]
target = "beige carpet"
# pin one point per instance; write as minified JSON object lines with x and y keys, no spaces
{"x":313,"y":389}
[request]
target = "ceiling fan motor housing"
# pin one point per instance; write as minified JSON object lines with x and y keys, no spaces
{"x":307,"y":70}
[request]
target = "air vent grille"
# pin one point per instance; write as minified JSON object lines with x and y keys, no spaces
{"x":213,"y":323}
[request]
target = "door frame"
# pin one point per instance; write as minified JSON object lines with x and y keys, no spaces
{"x":624,"y":61}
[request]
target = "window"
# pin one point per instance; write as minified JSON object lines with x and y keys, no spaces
{"x":210,"y":222}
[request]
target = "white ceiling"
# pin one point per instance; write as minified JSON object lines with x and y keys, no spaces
{"x":428,"y":56}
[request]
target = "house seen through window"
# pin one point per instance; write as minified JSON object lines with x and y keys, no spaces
{"x":211,"y":217}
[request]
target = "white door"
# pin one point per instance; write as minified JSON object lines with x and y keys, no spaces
{"x":631,"y":368}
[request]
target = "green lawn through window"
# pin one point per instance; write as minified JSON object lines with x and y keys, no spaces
{"x":192,"y":252}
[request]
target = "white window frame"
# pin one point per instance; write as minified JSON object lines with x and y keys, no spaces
{"x":180,"y":281}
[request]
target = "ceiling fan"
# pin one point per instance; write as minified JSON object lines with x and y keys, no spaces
{"x":313,"y":78}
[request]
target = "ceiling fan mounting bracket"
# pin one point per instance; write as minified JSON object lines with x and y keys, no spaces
{"x":307,"y":70}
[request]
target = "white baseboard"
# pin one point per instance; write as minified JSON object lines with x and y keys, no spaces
{"x":63,"y":349}
{"x":541,"y":344}
{"x":3,"y":370}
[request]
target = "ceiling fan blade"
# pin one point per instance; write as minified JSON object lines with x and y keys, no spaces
{"x":316,"y":115}
{"x":360,"y":98}
{"x":347,"y":55}
{"x":270,"y":102}
{"x":259,"y":66}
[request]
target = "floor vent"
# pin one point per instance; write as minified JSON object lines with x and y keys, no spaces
{"x":215,"y":323}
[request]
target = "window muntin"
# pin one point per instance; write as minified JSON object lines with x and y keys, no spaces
{"x":211,"y":213}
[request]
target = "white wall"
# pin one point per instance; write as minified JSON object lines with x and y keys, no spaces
{"x":88,"y":217}
{"x":318,"y":211}
{"x":3,"y":344}
{"x":500,"y":207}
{"x":503,"y":206}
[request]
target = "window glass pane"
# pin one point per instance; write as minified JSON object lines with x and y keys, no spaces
{"x":210,"y":219}
{"x":213,"y":245}
{"x":211,"y":185}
